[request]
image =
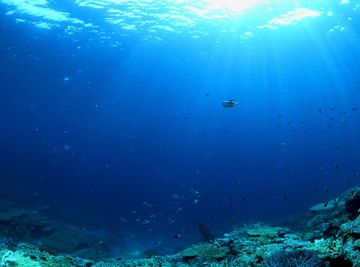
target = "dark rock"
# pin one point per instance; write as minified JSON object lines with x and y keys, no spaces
{"x":352,"y":204}
{"x":340,"y":262}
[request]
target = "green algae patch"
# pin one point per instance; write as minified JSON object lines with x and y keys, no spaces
{"x":17,"y":258}
{"x":265,"y":234}
{"x":26,"y":255}
{"x":204,"y":251}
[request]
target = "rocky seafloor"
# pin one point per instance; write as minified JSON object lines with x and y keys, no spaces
{"x":329,"y":235}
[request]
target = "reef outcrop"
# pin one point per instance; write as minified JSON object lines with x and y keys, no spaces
{"x":329,"y":235}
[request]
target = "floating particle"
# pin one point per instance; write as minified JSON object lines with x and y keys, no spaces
{"x":66,"y":147}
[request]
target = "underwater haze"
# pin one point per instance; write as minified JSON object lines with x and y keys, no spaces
{"x":111,"y":112}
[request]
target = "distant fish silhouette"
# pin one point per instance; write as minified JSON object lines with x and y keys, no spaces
{"x":230,"y":103}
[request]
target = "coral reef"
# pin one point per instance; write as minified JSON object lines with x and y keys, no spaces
{"x":328,"y":236}
{"x":293,"y":258}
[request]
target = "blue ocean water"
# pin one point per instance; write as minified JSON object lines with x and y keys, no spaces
{"x":111,"y":112}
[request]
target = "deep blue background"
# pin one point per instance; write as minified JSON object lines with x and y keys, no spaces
{"x":144,"y":122}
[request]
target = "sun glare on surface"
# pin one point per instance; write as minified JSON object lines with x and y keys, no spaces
{"x":233,"y":5}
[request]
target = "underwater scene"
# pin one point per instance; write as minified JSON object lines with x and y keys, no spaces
{"x":179,"y":133}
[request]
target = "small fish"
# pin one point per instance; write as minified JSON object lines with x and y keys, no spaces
{"x":147,"y":204}
{"x":175,"y":196}
{"x":178,"y":235}
{"x":230,"y":103}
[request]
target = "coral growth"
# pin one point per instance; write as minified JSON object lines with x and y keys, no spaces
{"x":293,"y":258}
{"x":324,"y":237}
